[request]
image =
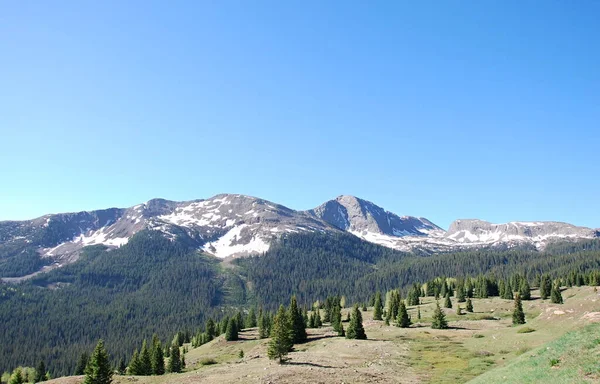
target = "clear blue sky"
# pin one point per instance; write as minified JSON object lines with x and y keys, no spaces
{"x":449,"y":109}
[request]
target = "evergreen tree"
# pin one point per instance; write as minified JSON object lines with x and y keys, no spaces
{"x":469,"y":305}
{"x":231,"y":333}
{"x":134,"y":364}
{"x":251,"y":318}
{"x":122,"y":366}
{"x":555,"y":295}
{"x":223,"y":325}
{"x":98,"y":370}
{"x":447,"y":301}
{"x":281,"y":336}
{"x":469,"y":289}
{"x":239,"y":321}
{"x":318,"y":321}
{"x":508,"y":292}
{"x":418,"y":313}
{"x":174,"y":365}
{"x":81,"y":364}
{"x":439,"y":318}
{"x":355,"y":328}
{"x":378,"y":307}
{"x":518,"y":316}
{"x":145,"y":360}
{"x":40,"y":372}
{"x":297,"y":321}
{"x":311,"y":320}
{"x":459,"y":310}
{"x":402,"y":320}
{"x":17,"y":377}
{"x":460,"y":293}
{"x":305,"y":318}
{"x":264,"y":325}
{"x":525,"y":290}
{"x":545,"y":287}
{"x":210,"y":330}
{"x":158,"y":360}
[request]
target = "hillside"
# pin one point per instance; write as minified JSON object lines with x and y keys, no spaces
{"x":482,"y":343}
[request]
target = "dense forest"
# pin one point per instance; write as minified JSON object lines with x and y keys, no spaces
{"x":156,"y":286}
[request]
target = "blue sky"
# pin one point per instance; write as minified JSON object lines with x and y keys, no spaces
{"x":450,"y":109}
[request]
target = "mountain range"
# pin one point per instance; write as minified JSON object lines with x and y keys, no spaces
{"x":231,"y":225}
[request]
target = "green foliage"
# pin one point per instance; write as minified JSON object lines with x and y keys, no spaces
{"x":296,"y":322}
{"x":84,"y":358}
{"x":525,"y":290}
{"x":545,"y":286}
{"x":145,"y":360}
{"x":469,"y":306}
{"x":447,"y":301}
{"x":231,"y":333}
{"x":555,"y":295}
{"x":518,"y":316}
{"x":98,"y":370}
{"x":439,"y":318}
{"x":378,"y":307}
{"x":17,"y":377}
{"x":281,"y":336}
{"x":251,"y":321}
{"x":526,"y":330}
{"x":174,"y":365}
{"x":158,"y":359}
{"x":355,"y":328}
{"x":402,"y":320}
{"x":40,"y":372}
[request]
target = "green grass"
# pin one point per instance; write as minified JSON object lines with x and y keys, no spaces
{"x":526,"y":330}
{"x":442,"y":359}
{"x":572,"y":358}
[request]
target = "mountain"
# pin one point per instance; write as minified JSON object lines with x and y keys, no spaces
{"x":229,"y":225}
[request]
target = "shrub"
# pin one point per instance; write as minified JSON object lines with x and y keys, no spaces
{"x":526,"y":330}
{"x":208,"y":361}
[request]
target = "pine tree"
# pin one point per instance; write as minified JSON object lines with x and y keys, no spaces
{"x":175,"y":360}
{"x":122,"y":366}
{"x":40,"y":372}
{"x":447,"y":301}
{"x":460,"y":293}
{"x":555,"y":295}
{"x":508,"y":292}
{"x":231,"y":333}
{"x":305,"y":318}
{"x":469,"y":305}
{"x":545,"y":287}
{"x":251,"y":318}
{"x":318,"y":321}
{"x":439,"y":318}
{"x":525,"y":290}
{"x":81,"y":364}
{"x":223,"y":325}
{"x":297,"y":322}
{"x":98,"y":370}
{"x":239,"y":321}
{"x":210,"y":330}
{"x":134,"y":364}
{"x":402,"y":321}
{"x":378,"y":307}
{"x":17,"y":377}
{"x":145,"y":360}
{"x":355,"y":328}
{"x":158,"y":360}
{"x":518,"y":316}
{"x":281,"y":336}
{"x":311,"y":320}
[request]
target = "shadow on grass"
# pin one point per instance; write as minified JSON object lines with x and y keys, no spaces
{"x":289,"y":362}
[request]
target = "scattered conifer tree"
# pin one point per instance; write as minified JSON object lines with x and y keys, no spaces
{"x":174,"y":365}
{"x":508,"y":292}
{"x":145,"y":361}
{"x":402,"y":321}
{"x":98,"y":370}
{"x":17,"y":377}
{"x":158,"y":360}
{"x":518,"y":316}
{"x":134,"y":364}
{"x":460,"y":293}
{"x":439,"y":318}
{"x":82,"y":363}
{"x":418,"y":313}
{"x":378,"y":307}
{"x":447,"y":301}
{"x":210,"y":330}
{"x":469,"y":305}
{"x":251,"y":318}
{"x":318,"y":321}
{"x":525,"y":290}
{"x":297,"y":322}
{"x":231,"y":333}
{"x":555,"y":295}
{"x":122,"y":366}
{"x":545,"y":286}
{"x":355,"y":328}
{"x":281,"y":336}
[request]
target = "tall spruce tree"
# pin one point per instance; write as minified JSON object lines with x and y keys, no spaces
{"x":281,"y":336}
{"x":439,"y":318}
{"x":251,"y":318}
{"x":297,"y":321}
{"x":555,"y":295}
{"x":469,"y":307}
{"x":210,"y":330}
{"x":174,"y":365}
{"x":508,"y":291}
{"x":145,"y":360}
{"x":355,"y":328}
{"x":524,"y":289}
{"x":98,"y":370}
{"x":17,"y":377}
{"x":402,"y":320}
{"x":378,"y":307}
{"x":231,"y":332}
{"x":460,"y":293}
{"x":518,"y":316}
{"x":134,"y":364}
{"x":158,"y":359}
{"x":447,"y":301}
{"x":545,"y":286}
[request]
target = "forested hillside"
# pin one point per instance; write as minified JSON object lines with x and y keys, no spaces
{"x":153,"y":285}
